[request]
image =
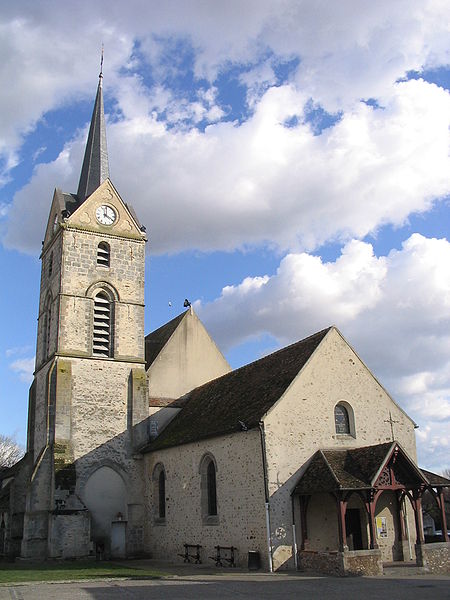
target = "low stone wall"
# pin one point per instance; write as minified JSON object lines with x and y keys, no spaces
{"x":435,"y":558}
{"x":350,"y":562}
{"x":327,"y":563}
{"x":362,"y":562}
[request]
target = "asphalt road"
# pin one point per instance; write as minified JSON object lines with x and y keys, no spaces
{"x":258,"y":587}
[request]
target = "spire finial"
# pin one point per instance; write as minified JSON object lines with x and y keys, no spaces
{"x":101,"y":66}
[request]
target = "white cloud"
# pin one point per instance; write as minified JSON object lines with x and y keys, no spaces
{"x":17,"y":350}
{"x":262,"y":182}
{"x":394,"y":310}
{"x":346,"y":50}
{"x":24,"y":367}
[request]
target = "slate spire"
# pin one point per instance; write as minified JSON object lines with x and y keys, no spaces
{"x":95,"y":167}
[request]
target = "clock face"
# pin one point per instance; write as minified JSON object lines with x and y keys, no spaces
{"x":106,"y":215}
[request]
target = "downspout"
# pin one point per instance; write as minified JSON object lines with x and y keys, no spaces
{"x":294,"y":534}
{"x":266,"y":494}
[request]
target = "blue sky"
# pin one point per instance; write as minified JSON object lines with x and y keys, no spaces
{"x":289,"y":159}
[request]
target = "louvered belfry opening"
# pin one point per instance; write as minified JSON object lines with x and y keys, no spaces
{"x":103,"y":253}
{"x":102,"y":326}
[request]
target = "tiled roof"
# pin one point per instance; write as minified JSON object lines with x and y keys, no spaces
{"x":436,"y":480}
{"x":156,"y":340}
{"x":239,"y":399}
{"x":357,"y":468}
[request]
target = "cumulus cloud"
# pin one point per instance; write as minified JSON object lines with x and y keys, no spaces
{"x":24,"y":367}
{"x":394,"y":310}
{"x":345,"y":51}
{"x":263,"y":181}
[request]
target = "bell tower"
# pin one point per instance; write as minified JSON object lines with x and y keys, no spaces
{"x":88,"y":401}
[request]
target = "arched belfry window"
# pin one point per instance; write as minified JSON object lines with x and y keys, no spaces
{"x":343,"y":420}
{"x":101,"y":342}
{"x":208,"y":473}
{"x":103,"y":254}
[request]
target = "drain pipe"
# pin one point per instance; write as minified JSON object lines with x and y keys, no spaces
{"x":294,"y":534}
{"x":266,"y":494}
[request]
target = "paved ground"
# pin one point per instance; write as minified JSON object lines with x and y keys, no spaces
{"x":260,"y":588}
{"x":208,"y":584}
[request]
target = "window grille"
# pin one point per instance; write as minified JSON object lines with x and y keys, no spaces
{"x":102,"y":326}
{"x":50,"y":265}
{"x":103,"y":254}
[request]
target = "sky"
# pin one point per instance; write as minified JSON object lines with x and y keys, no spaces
{"x":289,"y":158}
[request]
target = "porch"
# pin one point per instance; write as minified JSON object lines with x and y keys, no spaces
{"x":359,"y":508}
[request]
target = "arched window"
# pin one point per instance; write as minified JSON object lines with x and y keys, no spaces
{"x":341,"y":419}
{"x":212,"y":492}
{"x":101,"y":342}
{"x":208,"y":472}
{"x":159,"y":494}
{"x":103,"y":254}
{"x":162,"y":495}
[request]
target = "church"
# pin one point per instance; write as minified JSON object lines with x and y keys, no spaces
{"x":151,"y":446}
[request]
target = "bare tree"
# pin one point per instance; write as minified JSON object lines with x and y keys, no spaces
{"x":446,"y":472}
{"x":10,"y":451}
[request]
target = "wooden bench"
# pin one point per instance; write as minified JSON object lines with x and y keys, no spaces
{"x":187,"y":556}
{"x":224,"y":553}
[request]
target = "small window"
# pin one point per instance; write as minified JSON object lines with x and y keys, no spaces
{"x":103,"y":254}
{"x":159,"y":494}
{"x":101,"y":345}
{"x":162,"y":495}
{"x":212,"y":492}
{"x":208,"y":483}
{"x":341,"y":419}
{"x":50,"y":264}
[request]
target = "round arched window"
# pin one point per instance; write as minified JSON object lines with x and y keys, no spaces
{"x":341,"y":419}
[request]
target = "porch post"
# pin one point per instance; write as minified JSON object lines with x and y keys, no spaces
{"x":443,"y":517}
{"x":417,"y":505}
{"x":342,"y":509}
{"x":370,"y":507}
{"x":304,"y":500}
{"x":400,"y":516}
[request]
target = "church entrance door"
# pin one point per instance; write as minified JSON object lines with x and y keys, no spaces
{"x":353,"y":527}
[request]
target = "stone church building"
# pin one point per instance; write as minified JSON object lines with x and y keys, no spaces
{"x":152,"y":446}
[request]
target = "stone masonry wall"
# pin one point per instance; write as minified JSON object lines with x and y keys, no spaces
{"x":434,"y":557}
{"x":82,"y":278}
{"x":240,"y":499}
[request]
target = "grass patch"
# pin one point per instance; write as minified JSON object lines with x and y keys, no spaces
{"x":21,"y":572}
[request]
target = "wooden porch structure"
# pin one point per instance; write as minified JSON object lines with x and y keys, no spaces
{"x":369,"y":472}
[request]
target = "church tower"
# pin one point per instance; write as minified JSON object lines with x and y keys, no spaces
{"x":88,"y":404}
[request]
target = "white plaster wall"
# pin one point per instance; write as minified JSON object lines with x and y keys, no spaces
{"x":240,"y":499}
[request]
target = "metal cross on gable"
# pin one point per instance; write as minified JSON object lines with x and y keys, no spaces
{"x":391,"y":421}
